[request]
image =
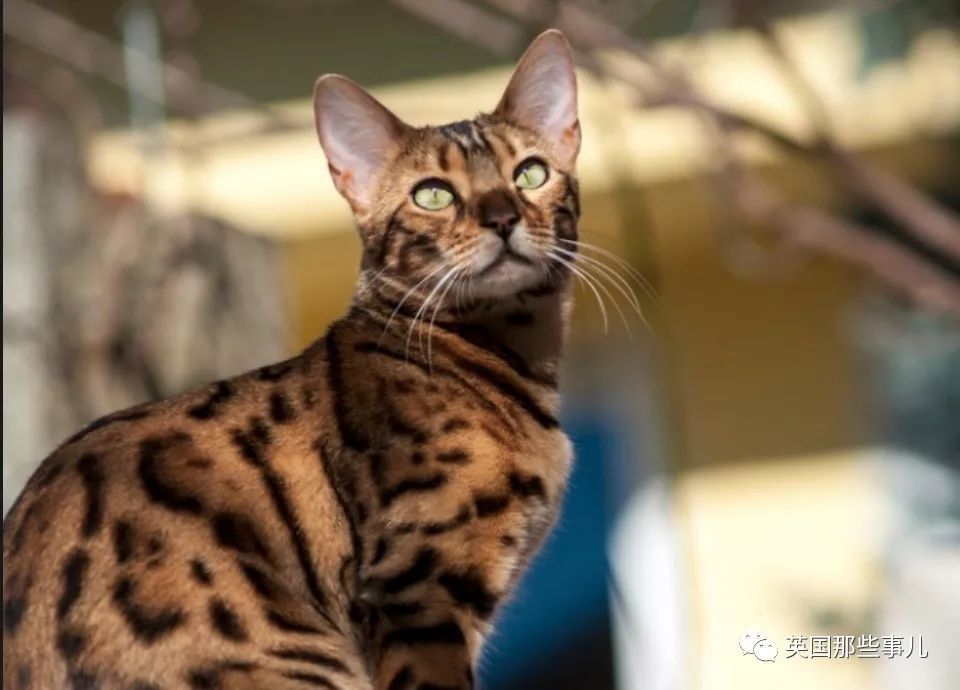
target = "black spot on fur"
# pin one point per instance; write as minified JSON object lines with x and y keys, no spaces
{"x":74,"y":572}
{"x":200,"y":572}
{"x":154,"y":545}
{"x":459,"y":520}
{"x":122,"y":540}
{"x":92,"y":478}
{"x":70,"y":643}
{"x":282,"y":622}
{"x":379,"y":551}
{"x":400,"y":427}
{"x":455,"y":424}
{"x":529,"y":486}
{"x":147,"y":626}
{"x":13,"y":609}
{"x":457,"y":456}
{"x":203,"y":679}
{"x":488,"y":505}
{"x":260,"y":431}
{"x":418,"y":571}
{"x":235,"y":531}
{"x":274,"y":372}
{"x":508,"y":541}
{"x":468,"y":589}
{"x":211,"y":407}
{"x":152,"y":455}
{"x":226,"y":621}
{"x":429,"y":483}
{"x":281,"y":411}
{"x":442,"y":633}
{"x":259,"y":580}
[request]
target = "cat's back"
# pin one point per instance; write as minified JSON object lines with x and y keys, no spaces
{"x":175,"y":527}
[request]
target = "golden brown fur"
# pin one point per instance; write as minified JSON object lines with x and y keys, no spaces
{"x":350,"y":518}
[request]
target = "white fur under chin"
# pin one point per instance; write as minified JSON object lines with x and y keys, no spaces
{"x":507,"y":279}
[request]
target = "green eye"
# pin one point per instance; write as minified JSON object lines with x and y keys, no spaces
{"x":432,"y":195}
{"x":530,"y":175}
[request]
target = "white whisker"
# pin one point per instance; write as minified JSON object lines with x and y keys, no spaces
{"x":642,"y":281}
{"x":433,"y":318}
{"x":618,"y":281}
{"x":615,"y":279}
{"x":421,"y":310}
{"x":404,"y":299}
{"x":589,"y":283}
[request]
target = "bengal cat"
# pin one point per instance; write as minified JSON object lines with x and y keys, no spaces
{"x":350,"y":518}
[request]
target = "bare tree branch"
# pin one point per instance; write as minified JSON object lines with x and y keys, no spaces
{"x":857,"y":244}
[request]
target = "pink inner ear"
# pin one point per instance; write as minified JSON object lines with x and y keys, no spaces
{"x":542,"y":93}
{"x":359,"y":137}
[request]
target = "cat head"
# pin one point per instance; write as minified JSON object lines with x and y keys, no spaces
{"x":489,"y":204}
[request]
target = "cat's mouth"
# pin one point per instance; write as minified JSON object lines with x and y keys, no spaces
{"x":506,"y":256}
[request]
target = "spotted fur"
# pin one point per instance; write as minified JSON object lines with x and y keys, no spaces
{"x":351,"y":518}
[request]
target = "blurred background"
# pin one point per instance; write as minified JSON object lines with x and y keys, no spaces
{"x":774,"y":445}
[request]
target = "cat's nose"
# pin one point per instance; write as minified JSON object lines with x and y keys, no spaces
{"x":497,"y":212}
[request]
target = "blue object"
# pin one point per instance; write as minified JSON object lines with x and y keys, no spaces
{"x":564,"y":594}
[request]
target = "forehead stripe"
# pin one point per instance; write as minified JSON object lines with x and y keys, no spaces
{"x":482,"y":137}
{"x":502,"y":140}
{"x":465,"y":134}
{"x":443,"y":157}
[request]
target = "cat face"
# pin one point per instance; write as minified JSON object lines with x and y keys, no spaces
{"x":488,"y":205}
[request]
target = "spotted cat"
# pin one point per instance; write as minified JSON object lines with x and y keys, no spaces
{"x":353,"y":517}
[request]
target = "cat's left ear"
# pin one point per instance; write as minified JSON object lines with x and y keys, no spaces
{"x":359,"y":136}
{"x":542,"y":94}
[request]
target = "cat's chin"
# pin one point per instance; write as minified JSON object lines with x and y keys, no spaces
{"x":505,"y":279}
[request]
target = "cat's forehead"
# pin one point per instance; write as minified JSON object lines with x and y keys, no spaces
{"x":471,"y":146}
{"x":467,"y":133}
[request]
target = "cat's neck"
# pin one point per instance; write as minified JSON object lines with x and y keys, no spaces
{"x":527,"y":329}
{"x":530,"y":326}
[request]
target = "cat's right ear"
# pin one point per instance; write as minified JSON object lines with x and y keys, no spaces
{"x":359,"y":136}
